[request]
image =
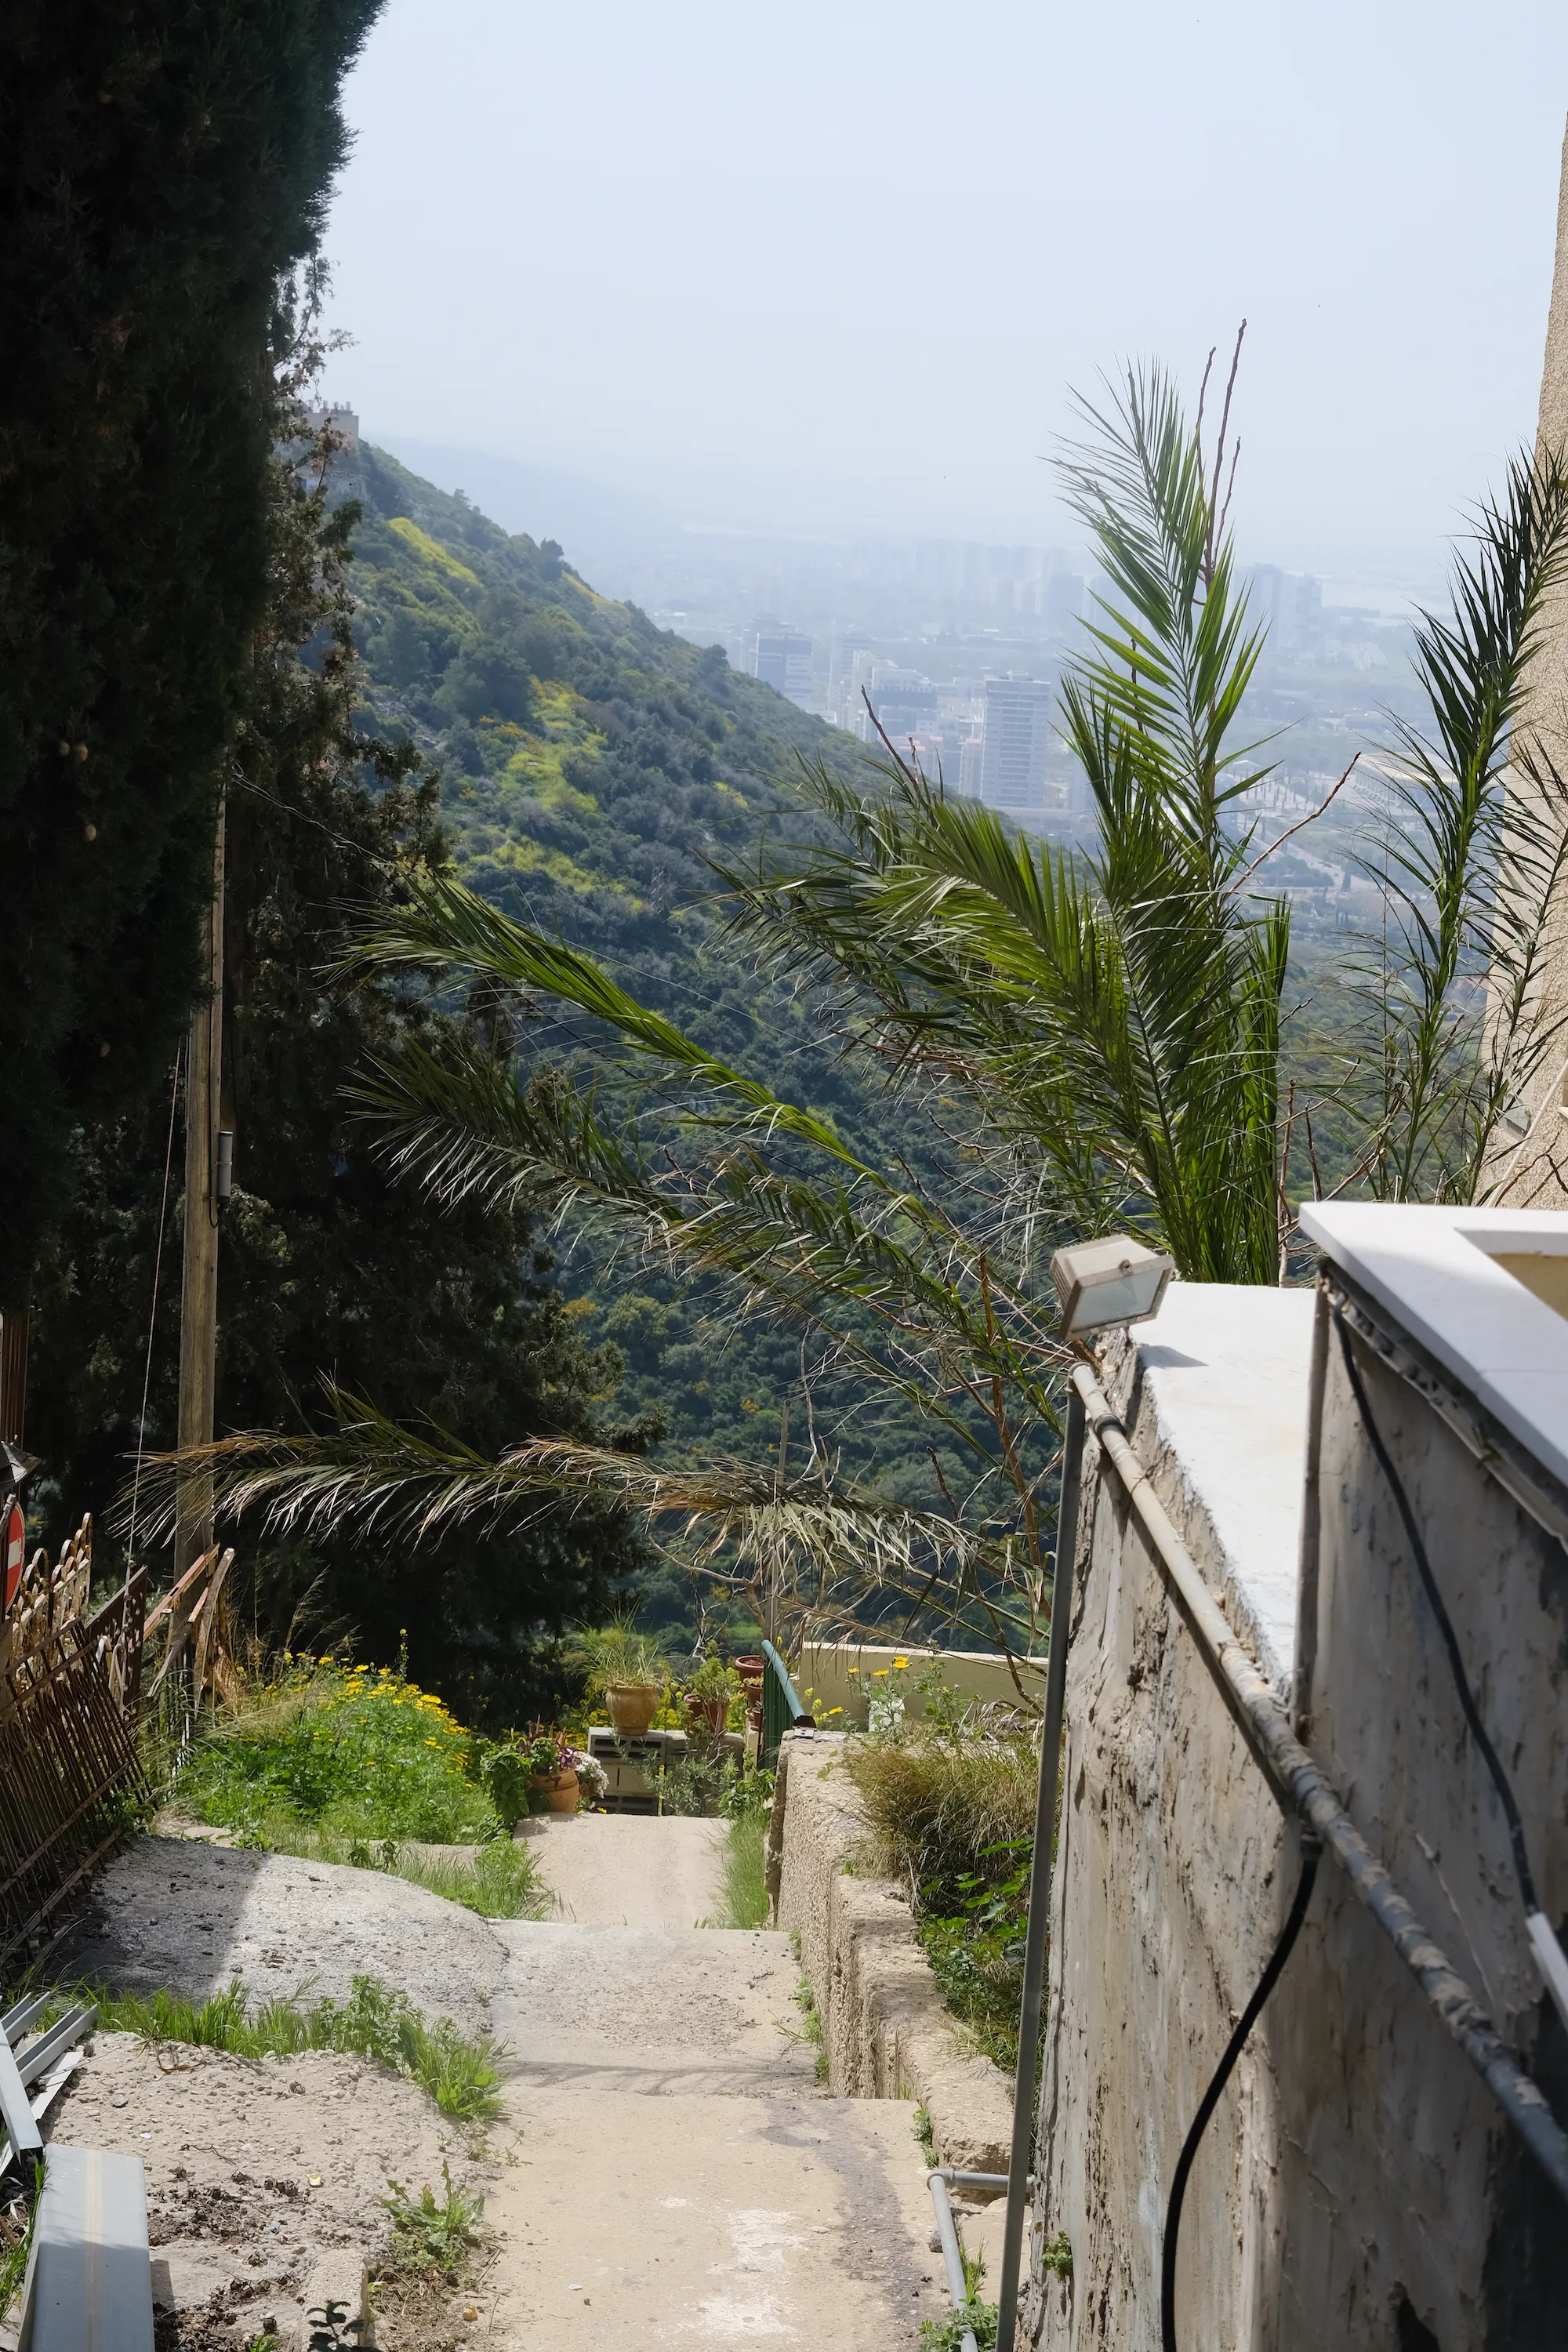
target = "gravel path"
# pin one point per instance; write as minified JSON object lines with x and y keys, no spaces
{"x":191,"y":1915}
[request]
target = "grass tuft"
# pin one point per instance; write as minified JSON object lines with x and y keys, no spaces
{"x":462,"y":2075}
{"x":743,"y":1899}
{"x":498,"y":1880}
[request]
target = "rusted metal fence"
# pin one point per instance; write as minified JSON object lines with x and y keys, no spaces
{"x":70,"y":1777}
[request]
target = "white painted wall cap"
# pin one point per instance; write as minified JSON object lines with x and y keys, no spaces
{"x":1485,"y":1292}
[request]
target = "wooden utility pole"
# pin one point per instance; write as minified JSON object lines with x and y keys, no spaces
{"x":13,"y":1373}
{"x":198,"y":1308}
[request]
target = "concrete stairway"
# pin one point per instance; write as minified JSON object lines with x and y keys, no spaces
{"x":678,"y":2178}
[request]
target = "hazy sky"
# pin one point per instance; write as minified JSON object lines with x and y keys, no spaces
{"x":843,"y":262}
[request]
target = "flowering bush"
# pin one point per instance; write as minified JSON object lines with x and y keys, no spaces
{"x":356,"y":1751}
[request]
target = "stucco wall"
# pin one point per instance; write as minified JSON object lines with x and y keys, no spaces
{"x":836,"y":1678}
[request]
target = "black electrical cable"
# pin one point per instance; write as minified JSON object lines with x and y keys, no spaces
{"x":1311,"y":1848}
{"x":1445,"y":1626}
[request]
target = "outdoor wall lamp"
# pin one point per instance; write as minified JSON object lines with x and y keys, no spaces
{"x":1116,"y":1280}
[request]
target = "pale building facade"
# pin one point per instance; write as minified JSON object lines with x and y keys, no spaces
{"x":1531,"y":1168}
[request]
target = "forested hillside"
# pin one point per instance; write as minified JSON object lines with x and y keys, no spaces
{"x":591,"y":763}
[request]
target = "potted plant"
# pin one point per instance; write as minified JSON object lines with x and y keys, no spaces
{"x":750,"y":1670}
{"x":629,"y":1668}
{"x":552,"y":1771}
{"x":709,"y":1694}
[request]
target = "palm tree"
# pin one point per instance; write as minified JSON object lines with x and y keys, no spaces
{"x":1468,"y":855}
{"x":1096,"y":1040}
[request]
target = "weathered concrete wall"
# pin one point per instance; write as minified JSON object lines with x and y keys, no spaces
{"x":1358,"y":2187}
{"x":1403,"y":2191}
{"x":885,"y":2028}
{"x":1172,"y":1874}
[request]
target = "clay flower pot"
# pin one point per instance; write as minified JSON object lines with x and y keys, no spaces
{"x":750,"y":1670}
{"x":632,"y":1705}
{"x":559,"y":1789}
{"x":709,"y":1714}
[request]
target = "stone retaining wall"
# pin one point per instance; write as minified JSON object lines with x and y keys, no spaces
{"x":886,"y":2029}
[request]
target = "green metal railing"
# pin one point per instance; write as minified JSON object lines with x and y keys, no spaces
{"x":782,"y":1707}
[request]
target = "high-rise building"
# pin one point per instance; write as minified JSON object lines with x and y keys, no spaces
{"x":1017,"y":741}
{"x":1063,"y":602}
{"x":781,"y":660}
{"x":850,"y":665}
{"x":905,"y":702}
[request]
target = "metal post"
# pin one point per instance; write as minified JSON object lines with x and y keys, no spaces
{"x":1040,"y":1876}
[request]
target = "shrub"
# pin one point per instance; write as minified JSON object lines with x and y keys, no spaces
{"x":946,"y":1809}
{"x":354,"y":1752}
{"x":952,"y":1812}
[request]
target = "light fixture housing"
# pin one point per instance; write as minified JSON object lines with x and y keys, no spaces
{"x":1116,"y":1280}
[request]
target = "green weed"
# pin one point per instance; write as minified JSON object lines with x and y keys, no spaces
{"x":16,"y":2238}
{"x":1058,"y":2257}
{"x":462,"y":2077}
{"x":926,"y":2139}
{"x":430,"y":2236}
{"x":498,"y":1879}
{"x":744,"y":1901}
{"x":978,"y":2319}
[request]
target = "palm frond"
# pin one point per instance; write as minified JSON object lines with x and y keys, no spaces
{"x":1468,"y":860}
{"x":371,"y":1477}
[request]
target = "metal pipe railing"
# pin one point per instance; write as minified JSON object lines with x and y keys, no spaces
{"x":937,"y":2181}
{"x":1040,"y":1874}
{"x":782,"y":1707}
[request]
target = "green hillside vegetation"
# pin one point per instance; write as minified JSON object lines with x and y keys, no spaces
{"x":591,"y":763}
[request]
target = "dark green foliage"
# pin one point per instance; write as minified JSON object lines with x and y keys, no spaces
{"x":160,"y":164}
{"x":327,"y":1266}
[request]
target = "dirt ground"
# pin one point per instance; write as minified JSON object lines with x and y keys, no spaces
{"x":264,"y":2177}
{"x":189,"y":1915}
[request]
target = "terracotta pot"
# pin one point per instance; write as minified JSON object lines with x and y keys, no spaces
{"x":750,"y":1670}
{"x":559,"y":1789}
{"x":710,"y":1715}
{"x":632,"y":1705}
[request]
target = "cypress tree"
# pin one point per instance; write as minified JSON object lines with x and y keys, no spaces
{"x":162,"y":163}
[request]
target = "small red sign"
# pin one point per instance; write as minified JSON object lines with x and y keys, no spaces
{"x":15,"y":1551}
